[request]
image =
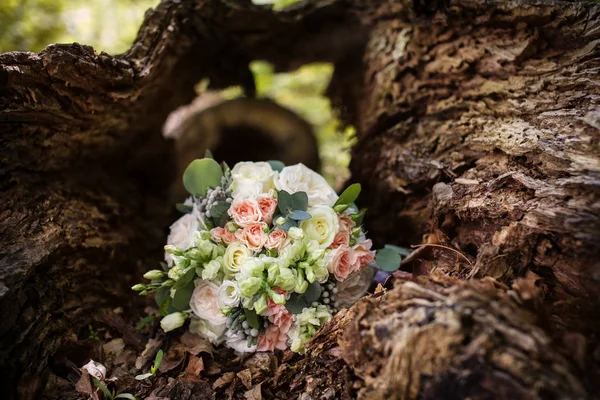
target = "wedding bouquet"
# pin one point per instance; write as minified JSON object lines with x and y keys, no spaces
{"x":264,"y":255}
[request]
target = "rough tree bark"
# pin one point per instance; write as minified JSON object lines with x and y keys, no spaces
{"x":478,"y":125}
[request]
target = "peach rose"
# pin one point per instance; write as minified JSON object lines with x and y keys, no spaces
{"x":273,"y":338}
{"x":346,"y":223}
{"x":267,"y":208}
{"x":254,"y":236}
{"x":244,"y":212}
{"x":223,"y":235}
{"x":343,"y":235}
{"x":362,"y":255}
{"x":340,"y":262}
{"x":277,"y":240}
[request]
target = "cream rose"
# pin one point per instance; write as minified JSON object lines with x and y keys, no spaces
{"x":245,"y":211}
{"x":251,"y":179}
{"x":234,"y":257}
{"x":322,"y":226}
{"x":204,"y":302}
{"x":254,"y":236}
{"x":182,"y":233}
{"x":299,"y":178}
{"x":229,"y":294}
{"x":212,"y":333}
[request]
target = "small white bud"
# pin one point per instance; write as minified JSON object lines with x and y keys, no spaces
{"x":154,"y":274}
{"x":173,"y":321}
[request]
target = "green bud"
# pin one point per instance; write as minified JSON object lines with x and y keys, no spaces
{"x":310,"y":275}
{"x":340,"y":208}
{"x":154,"y":274}
{"x":301,"y":283}
{"x":250,"y":286}
{"x":173,"y":250}
{"x":280,"y":221}
{"x":286,"y":279}
{"x":144,"y":293}
{"x":276,"y":297}
{"x":138,"y":287}
{"x":173,"y":321}
{"x":175,"y":273}
{"x":260,"y":306}
{"x":226,"y":310}
{"x":168,"y":282}
{"x":231,"y":226}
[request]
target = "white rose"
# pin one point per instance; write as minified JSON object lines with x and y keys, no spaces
{"x":322,"y":226}
{"x":182,"y":233}
{"x":238,"y":342}
{"x":212,"y":333}
{"x":204,"y":302}
{"x":234,"y":257}
{"x":251,"y":179}
{"x":298,"y":178}
{"x":172,"y":321}
{"x":229,"y":294}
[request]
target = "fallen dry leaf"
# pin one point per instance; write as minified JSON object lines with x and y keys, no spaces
{"x":84,"y":386}
{"x":246,"y":378}
{"x":254,"y":394}
{"x":194,"y":368}
{"x":224,"y":380}
{"x":148,"y":354}
{"x":196,"y":344}
{"x":114,"y":347}
{"x":173,"y":358}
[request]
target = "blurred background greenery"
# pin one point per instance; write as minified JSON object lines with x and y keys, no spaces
{"x":111,"y":26}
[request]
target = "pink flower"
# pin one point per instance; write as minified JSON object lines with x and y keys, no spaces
{"x":340,"y":262}
{"x":276,"y":334}
{"x":222,"y":234}
{"x":362,"y":255}
{"x":254,"y":236}
{"x":244,"y":212}
{"x":267,"y":208}
{"x":277,"y":240}
{"x":342,"y":238}
{"x":273,"y":338}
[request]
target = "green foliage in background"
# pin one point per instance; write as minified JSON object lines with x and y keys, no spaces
{"x":106,"y":25}
{"x":303,"y":91}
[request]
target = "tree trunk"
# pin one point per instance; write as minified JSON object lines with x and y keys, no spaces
{"x":478,"y":126}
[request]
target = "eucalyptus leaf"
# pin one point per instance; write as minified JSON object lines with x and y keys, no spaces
{"x":219,"y":209}
{"x":295,"y":304}
{"x":388,"y":259}
{"x":201,"y":175}
{"x":284,"y":202}
{"x":181,"y":300}
{"x":188,"y":275}
{"x":299,"y":201}
{"x":349,"y":195}
{"x":276,"y":165}
{"x":313,"y":292}
{"x":299,"y":215}
{"x":252,"y":318}
{"x":400,"y":250}
{"x":288,"y":224}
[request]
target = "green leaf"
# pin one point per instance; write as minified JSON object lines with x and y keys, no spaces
{"x":144,"y":321}
{"x":201,"y":175}
{"x":299,"y":215}
{"x":276,"y":165}
{"x":143,"y":376}
{"x":125,"y":396}
{"x":284,"y":202}
{"x":209,"y":154}
{"x":252,"y":319}
{"x":388,"y":259}
{"x":158,"y":359}
{"x":103,"y":388}
{"x":349,"y":195}
{"x":299,"y":201}
{"x":313,"y":292}
{"x":182,"y":208}
{"x":188,"y":275}
{"x":218,"y":213}
{"x":295,"y":304}
{"x":161,"y":295}
{"x":181,"y":301}
{"x":400,"y":250}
